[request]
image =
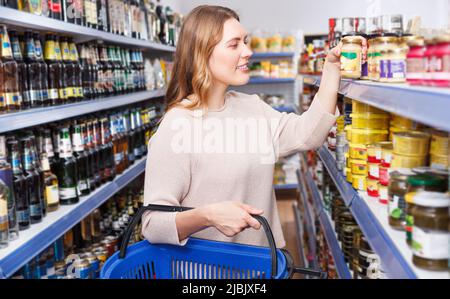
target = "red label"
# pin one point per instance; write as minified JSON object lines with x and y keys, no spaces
{"x":54,"y":6}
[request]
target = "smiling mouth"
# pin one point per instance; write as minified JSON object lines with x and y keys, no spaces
{"x":243,"y":67}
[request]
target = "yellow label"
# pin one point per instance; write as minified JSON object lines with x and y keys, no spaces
{"x":53,"y":94}
{"x":80,"y":92}
{"x":62,"y":94}
{"x":2,"y":100}
{"x":52,"y":194}
{"x":69,"y":92}
{"x":11,"y":98}
{"x":3,"y":208}
{"x":65,"y":51}
{"x":58,"y":51}
{"x":49,"y":51}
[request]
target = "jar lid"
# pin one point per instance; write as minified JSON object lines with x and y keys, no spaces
{"x":425,"y":180}
{"x":386,"y":39}
{"x":445,"y":38}
{"x":400,"y":175}
{"x":358,"y":146}
{"x":369,"y":115}
{"x":429,"y":199}
{"x":413,"y":40}
{"x":369,"y":131}
{"x":353,"y":39}
{"x":385,"y":145}
{"x":412,"y":134}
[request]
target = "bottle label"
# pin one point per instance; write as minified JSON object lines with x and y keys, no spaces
{"x":82,"y":185}
{"x":79,"y":92}
{"x":33,"y":95}
{"x":53,"y":94}
{"x":52,"y":194}
{"x":118,"y":158}
{"x":77,"y":142}
{"x":397,"y":69}
{"x":67,"y":193}
{"x":69,"y":92}
{"x":36,"y":210}
{"x":2,"y":100}
{"x":430,"y":244}
{"x":44,"y":94}
{"x":137,"y":152}
{"x":6,"y":51}
{"x":50,"y":50}
{"x":54,"y":6}
{"x":3,"y":211}
{"x":23,"y":216}
{"x":12,"y":99}
{"x":62,"y":93}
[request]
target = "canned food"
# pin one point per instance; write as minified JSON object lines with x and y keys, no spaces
{"x":82,"y":269}
{"x":368,"y":136}
{"x":374,"y":153}
{"x":413,"y":143}
{"x":349,"y":175}
{"x":102,"y":256}
{"x":401,"y":161}
{"x":374,"y":171}
{"x":95,"y":265}
{"x":359,"y":167}
{"x":358,"y":107}
{"x":108,"y":246}
{"x":359,"y":182}
{"x":348,"y":132}
{"x":372,"y":187}
{"x":358,"y":151}
{"x":370,"y":121}
{"x":439,"y":143}
{"x":386,"y":153}
{"x":393,"y":130}
{"x":439,"y":162}
{"x":383,"y":196}
{"x":401,"y":122}
{"x":384,"y":175}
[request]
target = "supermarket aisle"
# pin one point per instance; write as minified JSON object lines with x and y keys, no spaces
{"x":284,"y":203}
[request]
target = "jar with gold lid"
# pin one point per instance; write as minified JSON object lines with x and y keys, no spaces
{"x":351,"y":57}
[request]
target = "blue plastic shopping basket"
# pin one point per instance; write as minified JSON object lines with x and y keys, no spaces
{"x":199,"y":259}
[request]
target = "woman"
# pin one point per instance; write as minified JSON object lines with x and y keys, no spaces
{"x":192,"y":160}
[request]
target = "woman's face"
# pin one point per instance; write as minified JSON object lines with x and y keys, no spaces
{"x":229,"y":60}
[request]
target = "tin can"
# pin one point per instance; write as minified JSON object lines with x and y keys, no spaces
{"x":102,"y":256}
{"x":82,"y":269}
{"x":108,"y":246}
{"x":95,"y":265}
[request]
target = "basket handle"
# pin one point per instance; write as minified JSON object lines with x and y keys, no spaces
{"x":163,"y":208}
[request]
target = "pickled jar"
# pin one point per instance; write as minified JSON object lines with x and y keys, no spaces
{"x":351,"y":57}
{"x":387,"y":46}
{"x":431,"y":233}
{"x":416,"y":66}
{"x":418,"y":183}
{"x":396,"y":207}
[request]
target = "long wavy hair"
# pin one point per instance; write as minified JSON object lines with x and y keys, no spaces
{"x":201,"y":31}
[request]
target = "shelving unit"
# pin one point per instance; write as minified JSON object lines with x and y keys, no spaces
{"x":388,"y":244}
{"x":38,"y":116}
{"x":286,"y":187}
{"x":80,"y":33}
{"x":39,"y":236}
{"x":269,"y":55}
{"x":427,"y":105}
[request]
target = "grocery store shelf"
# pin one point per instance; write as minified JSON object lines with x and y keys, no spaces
{"x":39,"y":236}
{"x":427,"y":105}
{"x":299,"y":233}
{"x":262,"y":80}
{"x":272,"y":55}
{"x":81,"y":33}
{"x":388,"y":244}
{"x":324,"y":219}
{"x":37,"y":116}
{"x":286,"y":187}
{"x":311,"y":258}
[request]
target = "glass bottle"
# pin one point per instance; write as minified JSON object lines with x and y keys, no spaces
{"x":78,"y":81}
{"x":9,"y":73}
{"x":33,"y":70}
{"x":97,"y":145}
{"x":67,"y":170}
{"x":7,"y":192}
{"x":54,"y":71}
{"x":21,"y":194}
{"x":21,"y":69}
{"x":4,"y":195}
{"x":62,"y":88}
{"x":89,"y":155}
{"x":38,"y":168}
{"x":102,"y":13}
{"x":107,"y":153}
{"x":33,"y":181}
{"x":69,"y":70}
{"x":43,"y":71}
{"x":86,"y":73}
{"x":117,"y":149}
{"x":93,"y":153}
{"x":81,"y":160}
{"x":51,"y":194}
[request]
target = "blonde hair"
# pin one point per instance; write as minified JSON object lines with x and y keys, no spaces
{"x":200,"y":33}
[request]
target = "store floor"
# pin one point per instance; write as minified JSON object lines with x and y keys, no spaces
{"x":285,"y":201}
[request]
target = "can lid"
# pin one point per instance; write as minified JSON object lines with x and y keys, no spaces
{"x":369,"y":115}
{"x":425,"y":180}
{"x":412,"y":134}
{"x":428,"y":199}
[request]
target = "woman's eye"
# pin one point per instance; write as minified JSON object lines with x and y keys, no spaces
{"x":233,"y":46}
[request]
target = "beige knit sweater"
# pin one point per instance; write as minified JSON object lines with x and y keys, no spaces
{"x":198,"y":158}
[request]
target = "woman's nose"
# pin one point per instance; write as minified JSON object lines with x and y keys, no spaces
{"x":247,"y":52}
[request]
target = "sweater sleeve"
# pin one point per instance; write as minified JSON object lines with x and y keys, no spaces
{"x":167,"y":180}
{"x":293,"y":132}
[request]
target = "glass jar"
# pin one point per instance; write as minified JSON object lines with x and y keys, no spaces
{"x":430,"y":50}
{"x":351,"y":57}
{"x":441,"y":75}
{"x":398,"y":187}
{"x":431,"y":233}
{"x":393,"y":60}
{"x":418,"y":183}
{"x":416,"y":66}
